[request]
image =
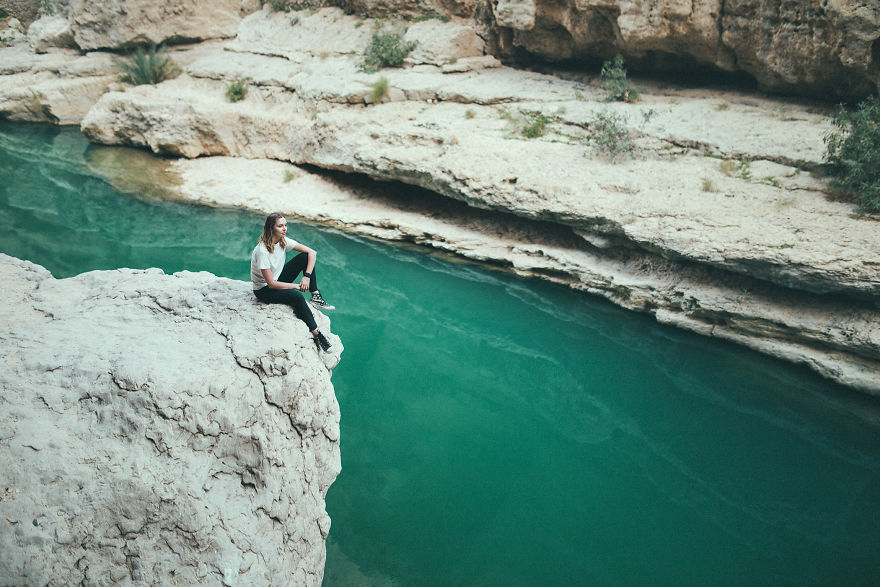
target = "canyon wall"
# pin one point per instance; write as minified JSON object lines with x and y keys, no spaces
{"x":826,"y":49}
{"x":711,"y":217}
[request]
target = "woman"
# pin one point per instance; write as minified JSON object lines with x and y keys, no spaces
{"x":272,"y":278}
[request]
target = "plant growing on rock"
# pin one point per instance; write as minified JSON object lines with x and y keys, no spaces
{"x":278,"y":5}
{"x":853,"y":154}
{"x":614,"y":80}
{"x":236,"y":90}
{"x":536,"y":124}
{"x":379,"y":92}
{"x":386,"y":49}
{"x":432,"y":15}
{"x":147,"y":66}
{"x":610,"y":136}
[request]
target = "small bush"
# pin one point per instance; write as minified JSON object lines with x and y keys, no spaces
{"x":278,"y":5}
{"x":853,"y":154}
{"x":432,"y":15}
{"x":727,"y":167}
{"x":290,"y":175}
{"x":236,"y":90}
{"x":380,"y":91}
{"x":386,"y":50}
{"x":614,"y":80}
{"x":708,"y":185}
{"x":147,"y":66}
{"x":741,"y":169}
{"x":610,"y":136}
{"x":536,"y":124}
{"x":469,"y":113}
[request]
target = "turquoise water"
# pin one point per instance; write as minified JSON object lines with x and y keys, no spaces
{"x":501,"y":431}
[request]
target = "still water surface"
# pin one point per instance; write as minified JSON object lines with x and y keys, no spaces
{"x":499,"y":431}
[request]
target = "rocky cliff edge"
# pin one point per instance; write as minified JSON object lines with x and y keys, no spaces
{"x":160,"y":429}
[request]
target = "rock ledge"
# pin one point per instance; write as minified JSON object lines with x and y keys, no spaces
{"x":160,"y":429}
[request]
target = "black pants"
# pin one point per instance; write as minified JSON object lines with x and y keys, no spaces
{"x":293,"y":297}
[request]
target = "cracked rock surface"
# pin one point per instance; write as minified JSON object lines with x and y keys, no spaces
{"x":161,"y":429}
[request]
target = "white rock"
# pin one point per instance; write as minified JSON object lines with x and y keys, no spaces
{"x":516,"y":14}
{"x":143,"y":444}
{"x":437,"y":42}
{"x":120,"y":24}
{"x":50,"y":31}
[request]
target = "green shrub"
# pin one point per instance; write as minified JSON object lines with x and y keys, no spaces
{"x":727,"y":167}
{"x":236,"y":90}
{"x":386,"y":50}
{"x":536,"y":124}
{"x":610,"y":136}
{"x":147,"y":66}
{"x":853,"y":153}
{"x":614,"y":80}
{"x":432,"y":15}
{"x":379,"y":91}
{"x":278,"y":5}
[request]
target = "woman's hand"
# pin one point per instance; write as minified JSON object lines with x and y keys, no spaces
{"x":304,"y":284}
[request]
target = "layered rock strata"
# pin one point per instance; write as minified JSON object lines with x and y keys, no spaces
{"x":710,"y":219}
{"x":818,"y":48}
{"x":160,"y":429}
{"x":805,"y":47}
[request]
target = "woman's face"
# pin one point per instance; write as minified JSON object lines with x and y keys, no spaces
{"x":280,"y":229}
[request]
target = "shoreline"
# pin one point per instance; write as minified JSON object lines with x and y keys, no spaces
{"x":714,"y":223}
{"x":735,"y":308}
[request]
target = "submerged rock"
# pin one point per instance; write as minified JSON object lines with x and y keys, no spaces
{"x":160,"y":429}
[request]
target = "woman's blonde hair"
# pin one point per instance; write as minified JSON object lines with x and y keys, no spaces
{"x":266,"y":237}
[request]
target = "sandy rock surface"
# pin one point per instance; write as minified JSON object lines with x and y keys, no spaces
{"x":160,"y":429}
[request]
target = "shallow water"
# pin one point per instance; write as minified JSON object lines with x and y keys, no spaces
{"x":501,"y":431}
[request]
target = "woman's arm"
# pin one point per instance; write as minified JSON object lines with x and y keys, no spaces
{"x":313,"y":256}
{"x":274,"y":284}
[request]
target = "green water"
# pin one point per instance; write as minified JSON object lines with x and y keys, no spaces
{"x":498,"y":431}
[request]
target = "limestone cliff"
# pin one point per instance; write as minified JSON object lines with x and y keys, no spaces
{"x":712,"y":220}
{"x":824,"y":49}
{"x":800,"y":46}
{"x":160,"y":429}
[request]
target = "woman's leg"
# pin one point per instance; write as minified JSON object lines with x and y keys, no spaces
{"x":294,"y":267}
{"x":292,"y":298}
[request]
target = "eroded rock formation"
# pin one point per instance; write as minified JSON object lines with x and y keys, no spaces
{"x":817,"y":48}
{"x":160,"y":429}
{"x":820,"y":48}
{"x":714,"y":224}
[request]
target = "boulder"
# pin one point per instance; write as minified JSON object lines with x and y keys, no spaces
{"x":50,"y":31}
{"x":127,"y":23}
{"x":160,"y":429}
{"x":11,"y":33}
{"x":438,"y":43}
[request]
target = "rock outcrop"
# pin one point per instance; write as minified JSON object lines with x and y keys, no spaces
{"x":807,"y":47}
{"x":160,"y":429}
{"x":823,"y":49}
{"x":115,"y":25}
{"x":711,"y":220}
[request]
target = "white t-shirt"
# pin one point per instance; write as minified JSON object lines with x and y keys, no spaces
{"x":261,"y":258}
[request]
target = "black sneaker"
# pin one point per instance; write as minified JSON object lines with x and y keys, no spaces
{"x":319,"y":302}
{"x":321,"y":341}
